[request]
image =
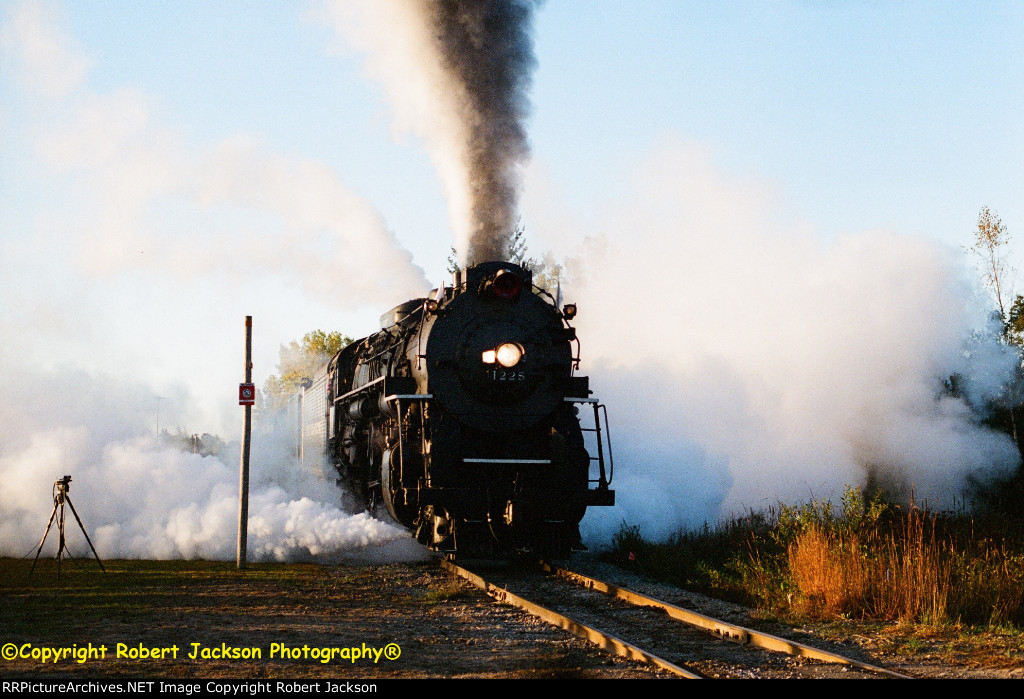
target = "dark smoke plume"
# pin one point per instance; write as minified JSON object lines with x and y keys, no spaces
{"x":486,"y":47}
{"x":457,"y":73}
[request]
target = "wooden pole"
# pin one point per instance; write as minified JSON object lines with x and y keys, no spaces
{"x":243,"y":479}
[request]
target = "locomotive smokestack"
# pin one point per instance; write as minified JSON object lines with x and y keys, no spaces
{"x":486,"y":49}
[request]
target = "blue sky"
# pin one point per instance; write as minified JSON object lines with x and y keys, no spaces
{"x":864,"y":114}
{"x":846,"y":117}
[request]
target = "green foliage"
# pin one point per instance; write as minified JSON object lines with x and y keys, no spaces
{"x":320,"y":344}
{"x":1015,"y":323}
{"x":991,"y":247}
{"x":991,"y":241}
{"x":517,"y":244}
{"x":704,"y":560}
{"x":547,"y":272}
{"x":298,"y":362}
{"x":204,"y":445}
{"x":453,"y":261}
{"x":448,"y":592}
{"x":859,"y":513}
{"x":866,"y":558}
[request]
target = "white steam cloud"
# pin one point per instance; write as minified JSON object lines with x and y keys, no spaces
{"x":119,"y":199}
{"x":745,"y":362}
{"x":140,"y":499}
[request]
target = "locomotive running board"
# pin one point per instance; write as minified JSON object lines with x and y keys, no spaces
{"x":506,"y":461}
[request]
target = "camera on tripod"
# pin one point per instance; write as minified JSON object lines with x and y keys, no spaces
{"x":60,"y":499}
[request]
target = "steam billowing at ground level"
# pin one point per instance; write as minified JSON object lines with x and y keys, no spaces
{"x":746,"y":362}
{"x":140,"y":241}
{"x":140,"y":498}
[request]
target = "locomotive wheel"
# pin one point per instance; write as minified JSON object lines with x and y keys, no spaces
{"x":389,"y":486}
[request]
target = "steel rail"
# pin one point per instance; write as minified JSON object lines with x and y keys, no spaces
{"x":596,"y":636}
{"x":722,"y":629}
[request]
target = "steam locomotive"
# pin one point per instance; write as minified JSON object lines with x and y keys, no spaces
{"x":462,"y":417}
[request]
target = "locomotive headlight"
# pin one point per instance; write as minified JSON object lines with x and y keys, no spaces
{"x":509,"y":354}
{"x":507,"y":285}
{"x":490,"y":356}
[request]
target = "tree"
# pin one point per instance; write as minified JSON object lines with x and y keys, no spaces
{"x":300,"y":361}
{"x":453,"y":261}
{"x":990,"y":245}
{"x":515,"y":252}
{"x":547,"y":273}
{"x":1015,"y":323}
{"x":517,"y":244}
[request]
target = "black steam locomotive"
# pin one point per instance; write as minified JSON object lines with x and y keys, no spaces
{"x":461,"y":416}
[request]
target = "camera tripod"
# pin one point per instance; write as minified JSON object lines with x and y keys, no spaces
{"x":60,"y":497}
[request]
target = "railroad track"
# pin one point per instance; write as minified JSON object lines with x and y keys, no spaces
{"x":640,"y":627}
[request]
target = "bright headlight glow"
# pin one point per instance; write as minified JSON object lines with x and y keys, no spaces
{"x":489,"y":357}
{"x":509,"y":354}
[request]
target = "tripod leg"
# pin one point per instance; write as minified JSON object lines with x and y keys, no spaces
{"x":45,"y":534}
{"x":82,"y":527}
{"x":63,"y":543}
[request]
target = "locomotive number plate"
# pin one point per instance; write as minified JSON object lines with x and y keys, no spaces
{"x":507,"y":375}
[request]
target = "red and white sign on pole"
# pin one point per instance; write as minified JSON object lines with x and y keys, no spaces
{"x":246,"y":394}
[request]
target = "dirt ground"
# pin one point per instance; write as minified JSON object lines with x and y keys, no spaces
{"x":199,"y":620}
{"x":442,"y":628}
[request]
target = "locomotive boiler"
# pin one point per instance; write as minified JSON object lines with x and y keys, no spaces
{"x":461,"y":416}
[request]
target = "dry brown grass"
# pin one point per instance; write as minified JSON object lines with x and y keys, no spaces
{"x":864,"y":559}
{"x":910,"y":570}
{"x":829,"y":575}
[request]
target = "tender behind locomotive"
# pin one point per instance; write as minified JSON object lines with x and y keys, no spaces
{"x":461,"y":416}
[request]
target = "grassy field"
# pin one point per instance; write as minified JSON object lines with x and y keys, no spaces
{"x":862,"y":559}
{"x":156,"y":605}
{"x":35,"y":605}
{"x":151,"y":616}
